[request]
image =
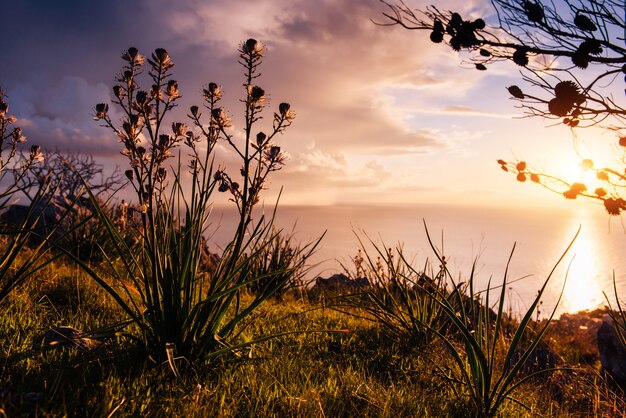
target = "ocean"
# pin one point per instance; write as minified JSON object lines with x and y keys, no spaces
{"x":466,"y":234}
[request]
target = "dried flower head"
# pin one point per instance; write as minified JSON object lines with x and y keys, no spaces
{"x":568,"y":91}
{"x":614,"y":206}
{"x":520,"y":57}
{"x":129,"y":174}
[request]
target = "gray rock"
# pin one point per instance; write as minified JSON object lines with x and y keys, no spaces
{"x":60,"y":336}
{"x":612,"y":352}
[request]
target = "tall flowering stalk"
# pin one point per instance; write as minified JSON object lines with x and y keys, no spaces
{"x":162,"y":291}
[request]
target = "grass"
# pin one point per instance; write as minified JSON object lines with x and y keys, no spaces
{"x":357,"y":372}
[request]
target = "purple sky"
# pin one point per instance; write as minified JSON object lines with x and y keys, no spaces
{"x":383,"y":116}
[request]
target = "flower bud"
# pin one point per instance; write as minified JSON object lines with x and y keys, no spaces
{"x":163,"y":140}
{"x":130,"y":54}
{"x":213,"y":91}
{"x":283,"y":108}
{"x":252,"y":47}
{"x":129,"y":174}
{"x":4,"y":107}
{"x":257,"y":94}
{"x":141,"y":97}
{"x":179,"y":128}
{"x":194,"y":110}
{"x":172,"y":89}
{"x":101,"y":110}
{"x":161,"y":56}
{"x":260,"y":138}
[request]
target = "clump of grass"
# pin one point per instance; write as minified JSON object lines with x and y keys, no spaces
{"x":488,"y":380}
{"x":281,"y":257}
{"x":396,"y":298}
{"x":17,"y":261}
{"x":489,"y":351}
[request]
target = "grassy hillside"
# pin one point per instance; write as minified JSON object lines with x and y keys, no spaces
{"x":340,"y":364}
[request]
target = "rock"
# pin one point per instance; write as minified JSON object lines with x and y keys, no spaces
{"x":340,"y":281}
{"x":60,"y":336}
{"x":539,"y":359}
{"x":612,"y":351}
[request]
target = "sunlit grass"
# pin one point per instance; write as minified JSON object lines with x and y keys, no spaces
{"x":357,"y":372}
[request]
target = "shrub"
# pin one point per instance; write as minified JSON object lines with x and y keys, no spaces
{"x":178,"y":311}
{"x":16,"y":265}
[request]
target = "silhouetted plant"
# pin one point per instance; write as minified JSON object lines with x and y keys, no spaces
{"x":16,"y":264}
{"x":82,"y":232}
{"x":570,"y":54}
{"x":489,"y":379}
{"x":178,"y":311}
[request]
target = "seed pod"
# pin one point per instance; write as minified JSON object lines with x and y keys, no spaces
{"x":584,"y":23}
{"x":283,"y":108}
{"x":436,"y":36}
{"x":520,"y":57}
{"x":516,"y":92}
{"x":534,"y":11}
{"x":559,"y":107}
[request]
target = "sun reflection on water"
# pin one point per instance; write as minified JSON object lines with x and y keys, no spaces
{"x":584,"y":288}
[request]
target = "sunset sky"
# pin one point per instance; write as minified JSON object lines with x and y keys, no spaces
{"x":383,"y":115}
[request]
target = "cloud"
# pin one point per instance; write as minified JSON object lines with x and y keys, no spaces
{"x":58,"y":117}
{"x":364,"y":94}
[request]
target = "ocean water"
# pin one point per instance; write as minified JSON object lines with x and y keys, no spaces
{"x":466,"y":234}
